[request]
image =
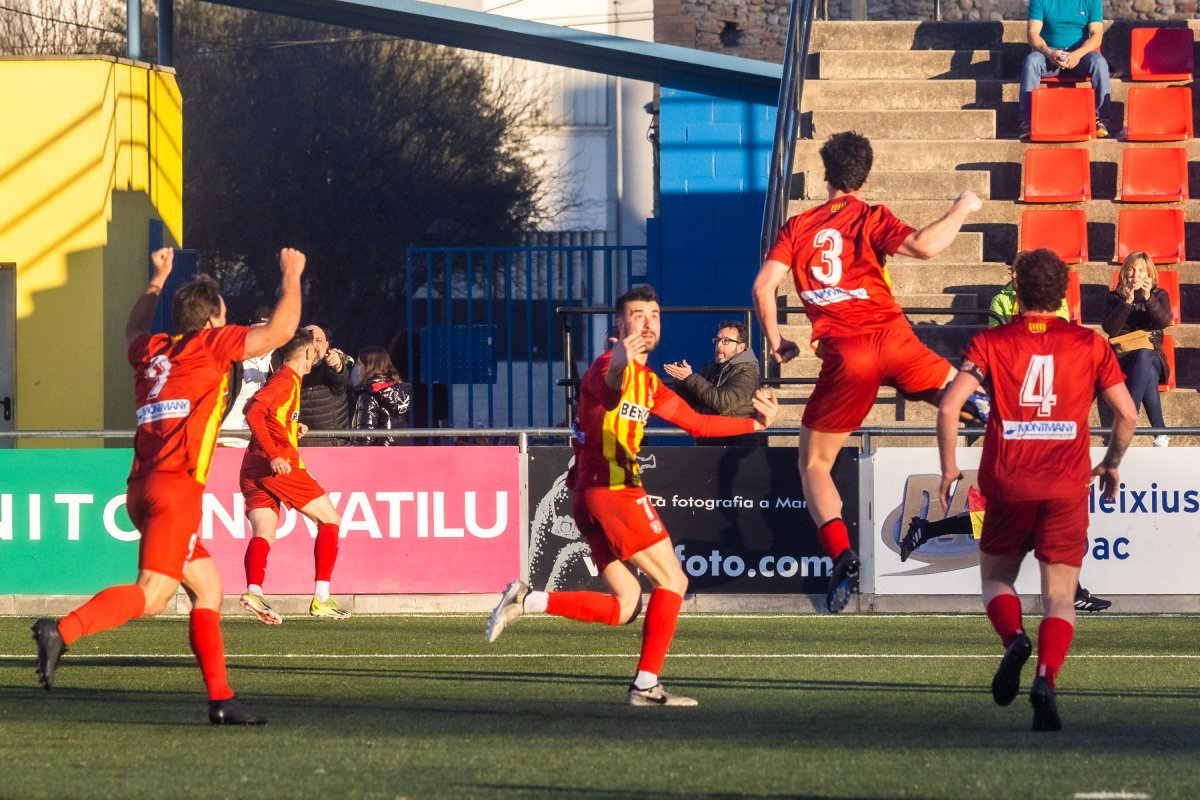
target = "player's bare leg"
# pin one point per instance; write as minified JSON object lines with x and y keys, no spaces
{"x":263,"y":524}
{"x":325,"y":550}
{"x":203,"y":585}
{"x":999,"y":574}
{"x":818,"y":451}
{"x":1054,"y":640}
{"x":659,"y":564}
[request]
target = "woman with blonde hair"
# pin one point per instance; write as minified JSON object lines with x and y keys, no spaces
{"x":1134,"y":319}
{"x":382,"y":399}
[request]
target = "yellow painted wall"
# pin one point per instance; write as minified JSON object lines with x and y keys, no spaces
{"x":91,"y":150}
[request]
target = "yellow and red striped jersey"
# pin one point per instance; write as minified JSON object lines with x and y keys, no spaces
{"x":273,"y":414}
{"x":179,"y":386}
{"x":609,"y":429}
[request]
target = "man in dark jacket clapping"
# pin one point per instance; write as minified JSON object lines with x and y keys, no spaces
{"x":725,"y":385}
{"x":324,"y":398}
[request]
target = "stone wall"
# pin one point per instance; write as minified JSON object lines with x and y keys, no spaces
{"x":757,"y":28}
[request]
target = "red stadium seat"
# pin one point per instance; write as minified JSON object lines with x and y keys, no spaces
{"x":1157,"y":113}
{"x":1074,"y":302}
{"x":1063,"y":79}
{"x":1063,"y":115}
{"x":1168,"y":281}
{"x":1169,"y":352}
{"x":1062,"y":230}
{"x":1160,"y":54}
{"x":1057,"y":175}
{"x":1158,"y":231}
{"x":1154,"y":175}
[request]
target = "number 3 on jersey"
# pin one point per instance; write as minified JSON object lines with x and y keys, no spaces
{"x":828,"y":243}
{"x":1037,"y":390}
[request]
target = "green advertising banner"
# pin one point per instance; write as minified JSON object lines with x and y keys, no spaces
{"x":63,"y":525}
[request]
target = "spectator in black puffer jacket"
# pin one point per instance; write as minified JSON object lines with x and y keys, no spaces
{"x":324,"y":397}
{"x":383,"y":399}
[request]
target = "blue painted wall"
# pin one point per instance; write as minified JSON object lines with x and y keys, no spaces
{"x":714,"y":156}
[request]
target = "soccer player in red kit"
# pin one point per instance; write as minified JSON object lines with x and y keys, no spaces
{"x":179,"y":385}
{"x":835,"y":253}
{"x":617,"y":396}
{"x":273,"y":476}
{"x":1041,"y":373}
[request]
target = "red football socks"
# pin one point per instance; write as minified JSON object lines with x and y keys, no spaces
{"x":114,"y":606}
{"x":326,"y":549}
{"x":1054,"y":640}
{"x":204,"y":634}
{"x":834,"y":537}
{"x":1005,"y":614}
{"x":584,"y":606}
{"x":256,"y":560}
{"x":662,"y":613}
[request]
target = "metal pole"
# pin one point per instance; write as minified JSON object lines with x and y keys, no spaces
{"x":166,"y":32}
{"x":133,"y":29}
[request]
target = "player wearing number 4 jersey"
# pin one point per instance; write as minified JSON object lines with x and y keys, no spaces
{"x":836,"y":253}
{"x":1041,"y":374}
{"x":179,"y":386}
{"x":617,"y":396}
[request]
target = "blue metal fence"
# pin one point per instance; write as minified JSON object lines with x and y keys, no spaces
{"x":480,"y":333}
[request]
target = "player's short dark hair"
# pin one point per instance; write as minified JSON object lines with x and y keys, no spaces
{"x":847,"y":157}
{"x":1041,"y":280}
{"x":740,"y":327}
{"x":300,"y":340}
{"x":195,"y":303}
{"x":644,"y":294}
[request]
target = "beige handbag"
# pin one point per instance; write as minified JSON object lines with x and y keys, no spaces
{"x":1128,"y":342}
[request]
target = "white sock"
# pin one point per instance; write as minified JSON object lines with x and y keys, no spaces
{"x":322,"y":591}
{"x":254,"y":588}
{"x":536,"y":602}
{"x":645,"y":680}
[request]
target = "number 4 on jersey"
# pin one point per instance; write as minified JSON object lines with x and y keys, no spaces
{"x":1038,"y":387}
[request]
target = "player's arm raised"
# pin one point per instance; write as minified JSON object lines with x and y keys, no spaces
{"x":770,"y":275}
{"x":286,"y":316}
{"x":142,"y":313}
{"x":937,"y":236}
{"x":1124,"y":422}
{"x":962,"y":387}
{"x":624,"y":352}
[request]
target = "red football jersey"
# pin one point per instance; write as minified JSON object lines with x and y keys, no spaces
{"x":273,"y":414}
{"x":836,"y":252}
{"x":179,"y":384}
{"x":1042,"y":374}
{"x":609,"y":428}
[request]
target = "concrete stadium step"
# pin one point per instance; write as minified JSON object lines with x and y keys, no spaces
{"x":884,"y":187}
{"x":967,"y":247}
{"x":1001,"y":158}
{"x":875,"y":95}
{"x":907,"y":64}
{"x":956,"y":124}
{"x":914,"y":35}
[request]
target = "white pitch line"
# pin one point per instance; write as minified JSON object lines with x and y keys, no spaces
{"x":1111,"y":796}
{"x":751,"y":656}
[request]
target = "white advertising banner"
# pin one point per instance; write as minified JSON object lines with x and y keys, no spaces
{"x":1146,"y":541}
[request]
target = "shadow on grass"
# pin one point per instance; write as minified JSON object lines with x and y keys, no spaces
{"x":532,"y":791}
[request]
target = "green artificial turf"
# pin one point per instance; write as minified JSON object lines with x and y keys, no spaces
{"x":420,"y":707}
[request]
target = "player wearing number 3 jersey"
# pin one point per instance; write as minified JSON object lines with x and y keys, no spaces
{"x":617,"y":396}
{"x":1041,"y":373}
{"x":836,"y":253}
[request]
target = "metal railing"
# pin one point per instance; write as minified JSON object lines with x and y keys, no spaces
{"x":523,"y":436}
{"x":787,"y":121}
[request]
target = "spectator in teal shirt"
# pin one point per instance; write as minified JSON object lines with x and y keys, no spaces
{"x":1065,"y":39}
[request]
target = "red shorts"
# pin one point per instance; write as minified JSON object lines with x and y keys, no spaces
{"x":1055,"y":530}
{"x":854,"y":367}
{"x":166,"y":508}
{"x":294,"y":490}
{"x":616,"y":523}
